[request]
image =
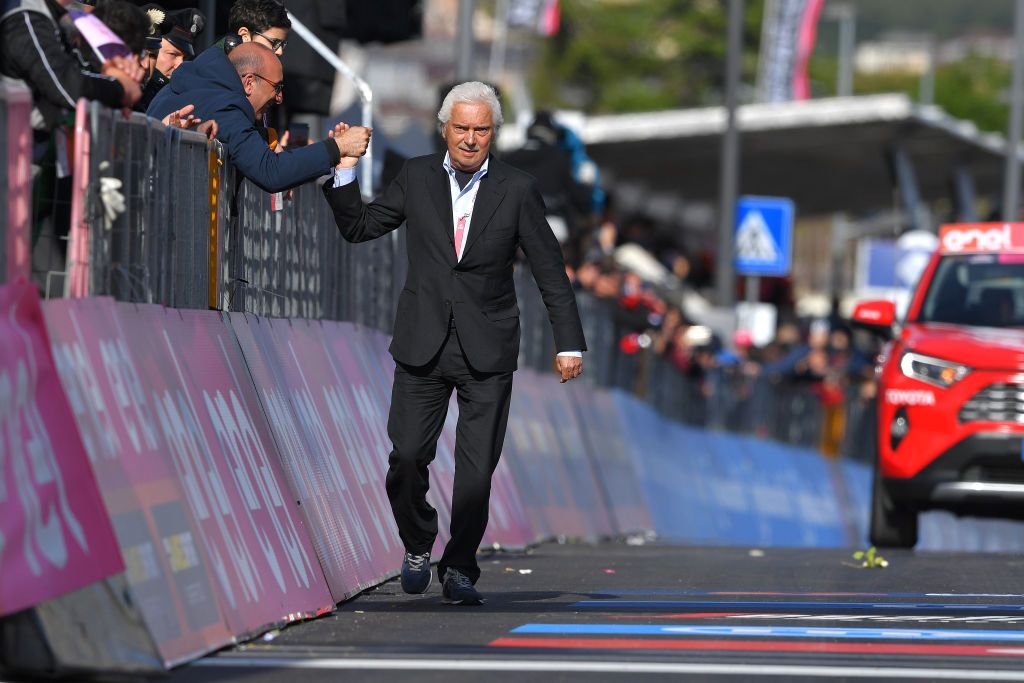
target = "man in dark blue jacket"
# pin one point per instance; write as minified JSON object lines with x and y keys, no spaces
{"x":235,"y":90}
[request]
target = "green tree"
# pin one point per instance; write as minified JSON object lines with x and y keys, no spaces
{"x":614,"y":56}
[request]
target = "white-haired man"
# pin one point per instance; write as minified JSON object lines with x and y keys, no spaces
{"x":457,"y":324}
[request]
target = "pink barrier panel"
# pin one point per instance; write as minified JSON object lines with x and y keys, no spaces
{"x":187,"y":465}
{"x":226,"y":459}
{"x":18,"y":102}
{"x":601,"y":428}
{"x":322,"y":391}
{"x":55,"y":535}
{"x":168,"y":567}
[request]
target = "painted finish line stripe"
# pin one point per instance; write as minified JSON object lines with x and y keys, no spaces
{"x":708,"y":605}
{"x":760,"y":646}
{"x":770,"y":632}
{"x":234,"y":662}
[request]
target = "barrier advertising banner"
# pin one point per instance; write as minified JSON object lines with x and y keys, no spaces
{"x":325,"y":407}
{"x":167,"y":567}
{"x":226,"y":460}
{"x":55,"y":535}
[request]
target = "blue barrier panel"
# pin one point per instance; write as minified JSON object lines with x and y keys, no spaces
{"x":614,"y":464}
{"x":856,"y":477}
{"x":588,"y":495}
{"x":677,"y":497}
{"x":713,"y":488}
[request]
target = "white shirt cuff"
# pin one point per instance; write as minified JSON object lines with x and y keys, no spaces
{"x":344,"y":176}
{"x":574,"y":354}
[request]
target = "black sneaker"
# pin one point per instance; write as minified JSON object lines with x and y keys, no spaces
{"x":416,"y":573}
{"x":459,"y":590}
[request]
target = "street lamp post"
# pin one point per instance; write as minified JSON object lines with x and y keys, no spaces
{"x":725,"y":285}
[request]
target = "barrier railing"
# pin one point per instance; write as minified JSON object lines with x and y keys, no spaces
{"x":142,"y":233}
{"x":159,"y":217}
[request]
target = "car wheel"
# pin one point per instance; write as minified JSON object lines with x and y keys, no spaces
{"x":892,"y":525}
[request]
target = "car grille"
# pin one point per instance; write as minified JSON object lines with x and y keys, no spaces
{"x":996,"y":403}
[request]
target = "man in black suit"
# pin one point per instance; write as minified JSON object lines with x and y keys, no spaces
{"x":457,"y":324}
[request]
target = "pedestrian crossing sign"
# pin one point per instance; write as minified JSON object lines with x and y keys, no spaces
{"x":763,"y":236}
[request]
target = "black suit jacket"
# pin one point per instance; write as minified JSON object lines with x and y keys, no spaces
{"x":478,"y":290}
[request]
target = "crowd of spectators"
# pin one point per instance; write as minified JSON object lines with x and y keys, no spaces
{"x":145,"y":59}
{"x":651,"y":289}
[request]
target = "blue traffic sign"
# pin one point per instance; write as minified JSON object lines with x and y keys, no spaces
{"x":764,"y":236}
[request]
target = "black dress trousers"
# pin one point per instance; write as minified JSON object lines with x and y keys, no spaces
{"x":419,"y":405}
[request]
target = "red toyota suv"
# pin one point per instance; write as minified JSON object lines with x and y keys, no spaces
{"x":951,"y":386}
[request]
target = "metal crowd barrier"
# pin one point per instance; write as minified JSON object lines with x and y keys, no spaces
{"x":157,"y":249}
{"x":192,"y":234}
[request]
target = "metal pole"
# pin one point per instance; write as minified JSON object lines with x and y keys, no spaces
{"x":1011,"y":190}
{"x":725,"y":285}
{"x":500,"y":42}
{"x":926,"y":91}
{"x":365,"y":94}
{"x":753,"y":289}
{"x":208,"y":35}
{"x":847,"y":36}
{"x":464,"y":45}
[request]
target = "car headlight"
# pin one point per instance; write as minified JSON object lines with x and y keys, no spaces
{"x":941,"y":373}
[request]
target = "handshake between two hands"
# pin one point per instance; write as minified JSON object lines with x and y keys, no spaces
{"x":352,"y":142}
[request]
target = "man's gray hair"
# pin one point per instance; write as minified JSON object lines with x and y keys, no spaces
{"x":472,"y":92}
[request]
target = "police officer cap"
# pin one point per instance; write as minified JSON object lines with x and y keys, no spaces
{"x":179,"y":27}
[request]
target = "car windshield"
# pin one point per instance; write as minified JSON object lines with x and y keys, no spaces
{"x":985,"y":290}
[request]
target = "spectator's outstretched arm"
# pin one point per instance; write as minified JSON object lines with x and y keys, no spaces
{"x":269,"y":170}
{"x":30,"y":49}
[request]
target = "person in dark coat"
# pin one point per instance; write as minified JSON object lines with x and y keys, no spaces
{"x":457,"y":325}
{"x":236,"y":90}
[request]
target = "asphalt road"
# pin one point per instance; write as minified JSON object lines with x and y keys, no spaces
{"x":617,"y":612}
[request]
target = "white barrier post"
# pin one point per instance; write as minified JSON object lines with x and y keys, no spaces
{"x":365,"y":95}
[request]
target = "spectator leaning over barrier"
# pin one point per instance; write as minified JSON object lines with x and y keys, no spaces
{"x":235,"y":90}
{"x":264,"y":22}
{"x":35,"y":50}
{"x":457,"y":325}
{"x":170,"y":43}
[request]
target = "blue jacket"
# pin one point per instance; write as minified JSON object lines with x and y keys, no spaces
{"x":212,"y":85}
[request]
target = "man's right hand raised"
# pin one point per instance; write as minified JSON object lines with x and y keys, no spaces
{"x":352,"y":141}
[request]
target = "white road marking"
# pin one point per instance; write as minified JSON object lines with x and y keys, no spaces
{"x":241,"y":662}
